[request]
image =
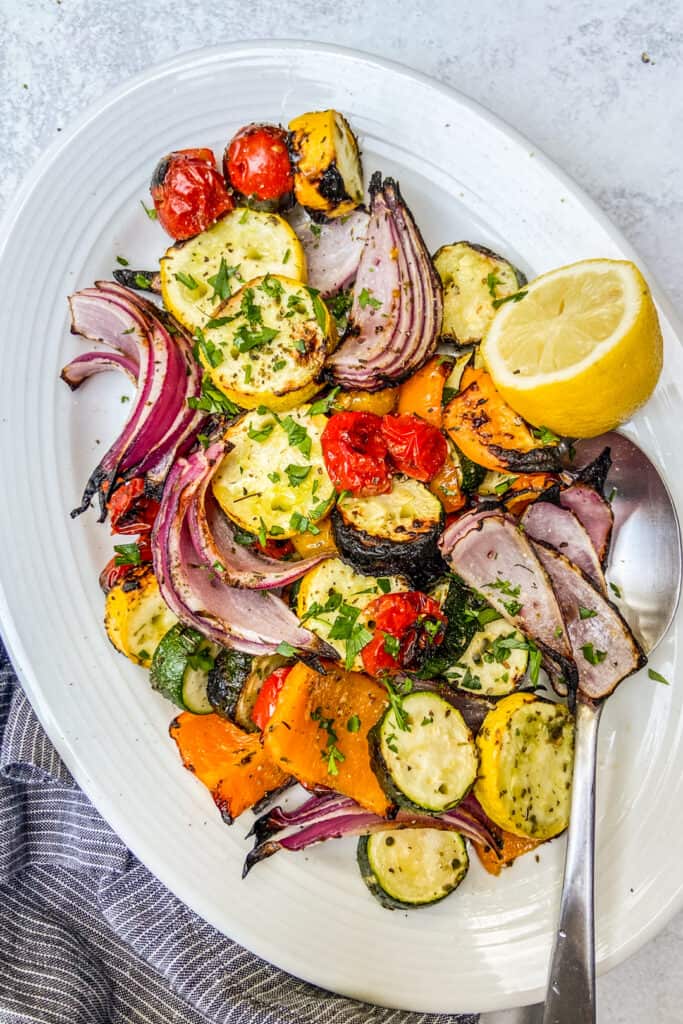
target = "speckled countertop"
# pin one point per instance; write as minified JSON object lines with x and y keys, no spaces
{"x":596,"y":84}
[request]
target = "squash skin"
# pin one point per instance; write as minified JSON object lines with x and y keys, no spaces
{"x":297,"y":742}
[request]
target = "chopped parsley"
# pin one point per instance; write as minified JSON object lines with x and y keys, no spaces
{"x":288,"y":253}
{"x":151,"y":213}
{"x":212,"y":353}
{"x":142,"y":281}
{"x":545,"y":435}
{"x":384,"y":585}
{"x":332,"y":754}
{"x":286,"y":650}
{"x":263,"y":433}
{"x":505,"y":484}
{"x":187,"y":280}
{"x":220,"y":282}
{"x":319,"y":308}
{"x":586,"y":613}
{"x":346,"y":627}
{"x":279,"y":364}
{"x":657,"y":677}
{"x":366,"y":299}
{"x":127,"y":554}
{"x":297,"y":435}
{"x":122,"y":261}
{"x":247,"y":339}
{"x":302,"y":524}
{"x":315,"y":229}
{"x":247,"y":373}
{"x":396,"y":693}
{"x":515,"y":297}
{"x":262,"y":537}
{"x":272,"y":287}
{"x":296,"y":474}
{"x":323,"y":405}
{"x":591,"y":655}
{"x":353,"y":724}
{"x":340,"y":307}
{"x":492,"y":283}
{"x":392,"y":645}
{"x":213,"y":400}
{"x":615,"y":590}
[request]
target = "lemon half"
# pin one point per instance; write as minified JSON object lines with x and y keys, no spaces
{"x":580,"y":351}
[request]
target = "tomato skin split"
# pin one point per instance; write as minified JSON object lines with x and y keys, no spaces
{"x":355,"y":453}
{"x":189,"y":192}
{"x":416,"y":448}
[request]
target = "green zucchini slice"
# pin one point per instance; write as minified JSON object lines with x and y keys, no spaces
{"x":235,"y":682}
{"x":494,"y":661}
{"x":412,"y":867}
{"x":428,"y":759}
{"x":180,"y":668}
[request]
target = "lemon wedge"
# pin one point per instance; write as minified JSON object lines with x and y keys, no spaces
{"x":579,"y":349}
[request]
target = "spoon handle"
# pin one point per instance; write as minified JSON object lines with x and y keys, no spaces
{"x":570,"y":998}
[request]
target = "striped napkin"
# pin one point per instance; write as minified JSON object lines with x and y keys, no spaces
{"x":89,"y":936}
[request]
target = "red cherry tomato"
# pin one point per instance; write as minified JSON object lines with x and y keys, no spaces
{"x":189,"y":192}
{"x":355,"y":453}
{"x":416,"y":448}
{"x":129,"y":510}
{"x":115,"y":571}
{"x":276,"y":548}
{"x":407,"y":626}
{"x":256,"y":163}
{"x":264,"y":705}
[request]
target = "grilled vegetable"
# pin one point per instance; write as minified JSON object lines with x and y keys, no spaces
{"x":494,"y":859}
{"x":415,"y":448}
{"x":474,"y":279}
{"x":266,"y":701}
{"x":490,"y":433}
{"x":407,"y":628}
{"x":328,"y":597}
{"x":269,"y":345}
{"x":189,"y":192}
{"x":466,"y":612}
{"x":396,"y":313}
{"x":355,"y":453}
{"x":328,"y":177}
{"x":526,"y":749}
{"x":378,"y":402}
{"x":256,"y":163}
{"x":136,"y":616}
{"x":273,"y":481}
{"x":198,"y":276}
{"x":448,"y":484}
{"x":423,"y":752}
{"x":319,"y":730}
{"x":392,"y":534}
{"x":494,"y":661}
{"x":332,"y":252}
{"x":235,"y":682}
{"x":181,"y":666}
{"x":421,"y":394}
{"x":412,"y":867}
{"x":231,"y":763}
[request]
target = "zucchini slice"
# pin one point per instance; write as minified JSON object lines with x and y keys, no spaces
{"x":412,"y":867}
{"x":269,"y":344}
{"x":136,"y":616}
{"x":181,"y":666}
{"x":235,"y":682}
{"x":432,"y":762}
{"x":273,"y":482}
{"x":328,"y":177}
{"x":392,"y":534}
{"x":199,"y":274}
{"x":526,"y":747}
{"x":491,"y":665}
{"x":329,"y":585}
{"x":473,"y":278}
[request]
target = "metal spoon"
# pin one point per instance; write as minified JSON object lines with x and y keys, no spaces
{"x":645,"y":565}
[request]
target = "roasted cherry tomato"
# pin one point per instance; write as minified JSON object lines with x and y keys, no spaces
{"x":130,"y":511}
{"x":416,"y":448}
{"x":276,"y":548}
{"x":257,"y":165}
{"x":355,"y":453}
{"x":189,"y":192}
{"x":117,"y":567}
{"x":264,"y":705}
{"x":407,"y":626}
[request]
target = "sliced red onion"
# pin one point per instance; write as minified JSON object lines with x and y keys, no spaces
{"x":335,"y":817}
{"x":560,"y":529}
{"x":333,"y":250}
{"x":90,"y":363}
{"x":160,"y":424}
{"x":398,"y":304}
{"x":255,"y":622}
{"x":594,"y":513}
{"x":213,"y":536}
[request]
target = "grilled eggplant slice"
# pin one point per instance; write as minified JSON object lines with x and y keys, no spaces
{"x":526,"y":750}
{"x":392,"y":534}
{"x":332,"y":583}
{"x":235,"y":682}
{"x":269,"y":345}
{"x":198,"y":275}
{"x":473,"y":278}
{"x":181,"y":666}
{"x":412,"y":867}
{"x":136,"y":616}
{"x":328,"y":177}
{"x":273,"y":480}
{"x":426,"y":758}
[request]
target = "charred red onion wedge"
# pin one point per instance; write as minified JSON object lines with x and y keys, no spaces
{"x":398,"y":304}
{"x":333,"y":250}
{"x":249,"y":621}
{"x":90,"y":363}
{"x":213,"y":536}
{"x":495,"y":558}
{"x":558,"y":527}
{"x":605,"y":650}
{"x":332,"y":816}
{"x":160,"y":424}
{"x":593,"y":512}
